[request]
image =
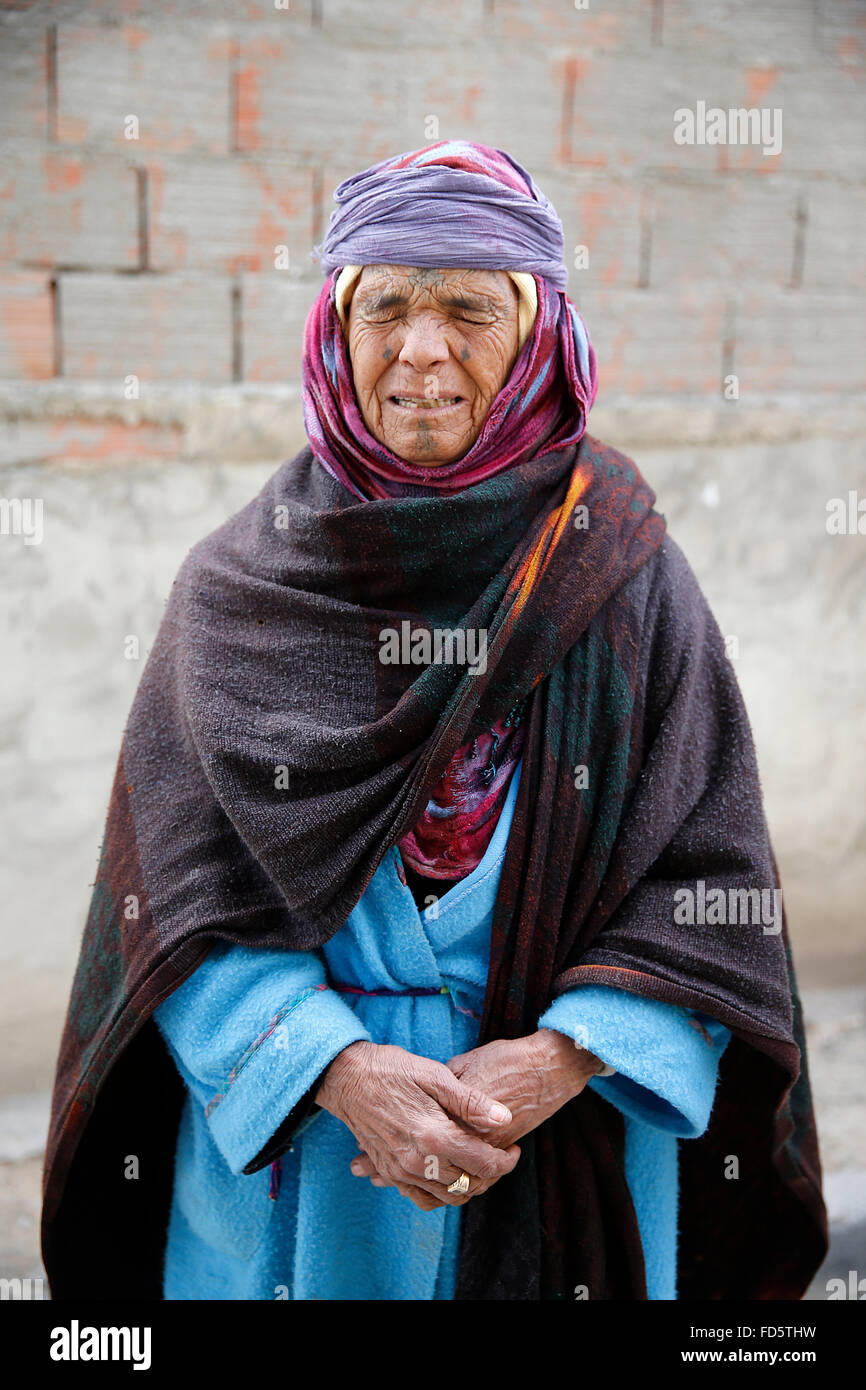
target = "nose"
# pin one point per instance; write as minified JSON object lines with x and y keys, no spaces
{"x":425,"y":344}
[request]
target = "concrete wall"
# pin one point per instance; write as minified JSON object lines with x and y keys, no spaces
{"x":149,"y":354}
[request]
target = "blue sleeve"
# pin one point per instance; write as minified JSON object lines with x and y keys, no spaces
{"x":250,"y":1032}
{"x":665,"y":1057}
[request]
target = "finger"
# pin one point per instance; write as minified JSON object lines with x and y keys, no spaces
{"x":433,"y":1180}
{"x":420,"y":1199}
{"x":437,"y":1180}
{"x":467,"y":1153}
{"x":423,"y":1198}
{"x":438,"y":1193}
{"x":433,"y":1188}
{"x":450,"y":1173}
{"x":447,"y":1173}
{"x":363,"y":1166}
{"x":466,"y":1103}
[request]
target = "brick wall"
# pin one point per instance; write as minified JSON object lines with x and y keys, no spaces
{"x":156,"y":155}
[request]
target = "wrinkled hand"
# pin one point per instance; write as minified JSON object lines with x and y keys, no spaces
{"x":417,"y":1124}
{"x":534,"y":1076}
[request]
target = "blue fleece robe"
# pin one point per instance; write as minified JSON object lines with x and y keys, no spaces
{"x":250,"y":1031}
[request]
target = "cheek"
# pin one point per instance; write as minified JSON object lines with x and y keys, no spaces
{"x":369,"y":354}
{"x":490,"y":364}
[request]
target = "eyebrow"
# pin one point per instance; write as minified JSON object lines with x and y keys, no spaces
{"x":389,"y":299}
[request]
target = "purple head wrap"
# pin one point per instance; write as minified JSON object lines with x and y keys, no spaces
{"x":453,"y":204}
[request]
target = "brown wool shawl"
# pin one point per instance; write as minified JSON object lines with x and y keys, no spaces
{"x":268,"y":658}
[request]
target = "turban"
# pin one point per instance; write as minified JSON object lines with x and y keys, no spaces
{"x":455,"y":204}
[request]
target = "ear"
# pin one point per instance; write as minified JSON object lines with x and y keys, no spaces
{"x":344,"y":288}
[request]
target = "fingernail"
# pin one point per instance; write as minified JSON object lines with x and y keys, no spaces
{"x":498,"y":1113}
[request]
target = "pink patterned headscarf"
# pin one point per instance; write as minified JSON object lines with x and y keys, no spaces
{"x":453,"y":204}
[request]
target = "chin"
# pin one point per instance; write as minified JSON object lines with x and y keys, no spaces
{"x":425,"y":460}
{"x":408,"y":450}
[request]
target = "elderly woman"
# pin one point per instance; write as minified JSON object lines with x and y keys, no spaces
{"x":436,"y":936}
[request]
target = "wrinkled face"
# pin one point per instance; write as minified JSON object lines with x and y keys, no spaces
{"x":430,"y":351}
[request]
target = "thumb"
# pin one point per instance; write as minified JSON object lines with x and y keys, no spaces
{"x":474,"y":1107}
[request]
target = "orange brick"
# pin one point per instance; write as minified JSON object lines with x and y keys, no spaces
{"x":273,"y":314}
{"x":62,"y":207}
{"x":604,"y":216}
{"x":24,"y":82}
{"x":801,"y":342}
{"x":617,"y":24}
{"x":781,"y":31}
{"x":403,"y":24}
{"x":292,"y":98}
{"x":155,"y":327}
{"x":174,"y":81}
{"x":504,"y":95}
{"x":26,"y":325}
{"x":835,"y":245}
{"x":723,"y":232}
{"x":228,"y":215}
{"x":650,"y":343}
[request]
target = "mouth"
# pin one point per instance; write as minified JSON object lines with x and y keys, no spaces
{"x":425,"y":403}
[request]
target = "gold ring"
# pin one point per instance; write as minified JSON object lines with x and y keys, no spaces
{"x":461,"y":1185}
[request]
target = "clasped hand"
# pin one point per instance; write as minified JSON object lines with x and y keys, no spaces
{"x":419,"y":1124}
